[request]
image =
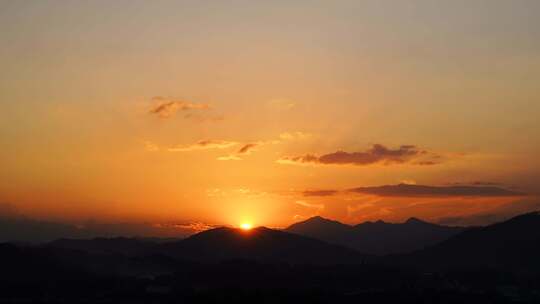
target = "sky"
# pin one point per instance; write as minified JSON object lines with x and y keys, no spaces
{"x":269,"y":112}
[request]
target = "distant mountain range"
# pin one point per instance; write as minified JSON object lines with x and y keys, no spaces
{"x":513,"y":245}
{"x":215,"y":245}
{"x":377,"y":238}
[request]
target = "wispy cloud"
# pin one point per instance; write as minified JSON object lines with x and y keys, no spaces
{"x":320,"y":192}
{"x":246,"y":149}
{"x":310,"y":205}
{"x":475,"y":183}
{"x":411,"y":189}
{"x":229,"y":157}
{"x":165,"y":107}
{"x":294,"y":135}
{"x":404,"y":190}
{"x":194,"y":227}
{"x":150,"y":146}
{"x":251,"y":193}
{"x":250,"y":147}
{"x":376,"y":154}
{"x":204,"y":145}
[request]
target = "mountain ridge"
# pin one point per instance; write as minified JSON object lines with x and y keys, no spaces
{"x":379,"y":238}
{"x":262,"y":244}
{"x":509,"y":245}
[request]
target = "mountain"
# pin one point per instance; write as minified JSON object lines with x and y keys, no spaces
{"x":259,"y":244}
{"x":322,"y":229}
{"x":387,"y":238}
{"x":215,"y":245}
{"x":377,"y":238}
{"x":510,"y":245}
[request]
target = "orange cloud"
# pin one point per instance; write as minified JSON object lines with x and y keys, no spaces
{"x":247,"y":148}
{"x":406,"y":190}
{"x":309,"y":205}
{"x":320,"y":192}
{"x":150,"y":146}
{"x":167,"y":107}
{"x":229,"y":157}
{"x":194,"y":227}
{"x":204,"y":145}
{"x":376,"y":154}
{"x":294,"y":135}
{"x":250,"y":147}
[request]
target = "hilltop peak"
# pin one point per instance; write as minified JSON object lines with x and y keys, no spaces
{"x":414,"y":220}
{"x":319,"y":218}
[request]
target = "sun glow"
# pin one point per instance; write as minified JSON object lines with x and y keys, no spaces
{"x":246,"y":226}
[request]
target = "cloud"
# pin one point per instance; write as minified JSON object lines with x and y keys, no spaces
{"x":294,"y":135}
{"x":204,"y":145}
{"x":250,"y":193}
{"x":247,"y":148}
{"x":150,"y":146}
{"x":498,"y":214}
{"x":309,"y":205}
{"x":229,"y":157}
{"x":320,"y":192}
{"x":166,"y":107}
{"x":376,"y":154}
{"x":475,"y":183}
{"x":406,"y":190}
{"x":194,"y":227}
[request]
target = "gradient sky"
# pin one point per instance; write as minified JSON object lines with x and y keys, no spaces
{"x":223,"y":112}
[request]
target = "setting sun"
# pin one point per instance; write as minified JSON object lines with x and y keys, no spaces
{"x":246,"y":226}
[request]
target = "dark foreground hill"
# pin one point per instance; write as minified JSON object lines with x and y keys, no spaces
{"x":513,"y":245}
{"x":222,"y":244}
{"x":260,"y":244}
{"x":378,"y":238}
{"x":495,"y":264}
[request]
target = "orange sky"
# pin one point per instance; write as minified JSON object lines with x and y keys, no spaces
{"x":224,"y":113}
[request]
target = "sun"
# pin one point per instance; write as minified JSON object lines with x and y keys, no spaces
{"x":246,"y":226}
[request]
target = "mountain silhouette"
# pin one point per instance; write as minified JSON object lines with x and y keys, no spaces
{"x":321,"y":228}
{"x":495,"y":264}
{"x":259,"y":244}
{"x":510,"y":245}
{"x":377,"y":238}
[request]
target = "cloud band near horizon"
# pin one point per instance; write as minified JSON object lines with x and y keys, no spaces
{"x":406,"y":190}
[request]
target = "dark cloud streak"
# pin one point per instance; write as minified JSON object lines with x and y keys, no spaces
{"x":404,"y":190}
{"x":166,"y":107}
{"x":320,"y":192}
{"x":376,"y":154}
